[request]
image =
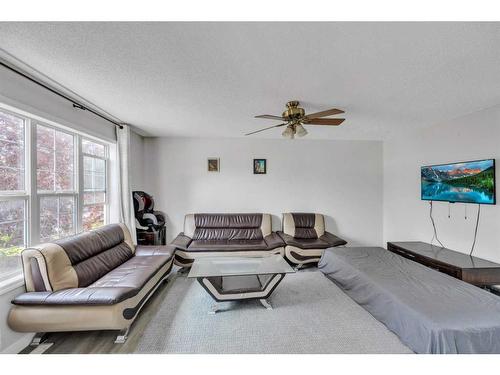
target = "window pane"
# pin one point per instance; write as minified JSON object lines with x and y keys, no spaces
{"x":11,"y":152}
{"x":64,"y":161}
{"x":12,"y":238}
{"x":94,"y":197}
{"x":94,"y":174}
{"x":45,"y":169}
{"x":55,"y":160}
{"x":93,"y":216}
{"x":93,"y":148}
{"x":56,"y":217}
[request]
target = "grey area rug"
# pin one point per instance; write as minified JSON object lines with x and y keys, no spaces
{"x":310,"y":315}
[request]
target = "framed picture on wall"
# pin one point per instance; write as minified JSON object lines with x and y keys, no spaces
{"x":259,"y":166}
{"x":213,"y":164}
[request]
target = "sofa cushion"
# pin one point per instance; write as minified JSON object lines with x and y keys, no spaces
{"x":93,"y":254}
{"x":134,"y":273}
{"x":142,"y":250}
{"x":304,"y":225}
{"x":227,"y":227}
{"x":228,"y":220}
{"x":75,"y":296}
{"x":325,"y":241}
{"x":227,"y":234}
{"x":308,"y":243}
{"x":227,"y":245}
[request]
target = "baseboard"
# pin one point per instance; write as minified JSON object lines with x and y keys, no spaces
{"x":19,"y":345}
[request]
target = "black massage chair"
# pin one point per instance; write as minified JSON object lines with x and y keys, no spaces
{"x":149,"y":224}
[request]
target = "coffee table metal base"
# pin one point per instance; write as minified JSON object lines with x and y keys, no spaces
{"x":237,"y":288}
{"x":216,"y":306}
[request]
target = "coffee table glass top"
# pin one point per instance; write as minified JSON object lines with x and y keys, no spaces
{"x":239,"y":266}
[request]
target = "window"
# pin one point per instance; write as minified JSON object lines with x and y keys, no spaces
{"x":52,"y":185}
{"x":94,"y":184}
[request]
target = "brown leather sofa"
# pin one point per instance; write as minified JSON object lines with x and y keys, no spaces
{"x":226,"y":234}
{"x":97,"y":280}
{"x":305,"y":237}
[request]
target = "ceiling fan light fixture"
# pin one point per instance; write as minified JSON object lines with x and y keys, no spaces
{"x":300,"y":130}
{"x":288,"y":133}
{"x":294,"y":117}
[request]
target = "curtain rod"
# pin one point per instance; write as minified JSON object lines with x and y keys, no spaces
{"x":74,"y":102}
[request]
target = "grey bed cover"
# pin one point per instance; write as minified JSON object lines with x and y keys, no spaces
{"x":431,"y":312}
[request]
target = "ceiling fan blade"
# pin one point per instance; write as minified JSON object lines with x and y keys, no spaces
{"x":325,"y":121}
{"x":271,"y":117}
{"x":328,"y":112}
{"x":270,"y":127}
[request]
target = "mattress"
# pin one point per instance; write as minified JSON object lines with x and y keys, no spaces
{"x":431,"y":312}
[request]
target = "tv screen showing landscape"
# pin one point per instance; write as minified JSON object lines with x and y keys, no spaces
{"x":467,"y":182}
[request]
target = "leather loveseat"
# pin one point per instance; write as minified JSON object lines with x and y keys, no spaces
{"x":226,"y":234}
{"x":97,"y":280}
{"x":305,"y":237}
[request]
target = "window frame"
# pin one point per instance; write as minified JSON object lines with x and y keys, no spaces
{"x":31,"y":196}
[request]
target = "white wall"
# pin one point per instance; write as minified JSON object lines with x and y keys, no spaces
{"x":406,"y":217}
{"x":138,"y":167}
{"x":341,"y":179}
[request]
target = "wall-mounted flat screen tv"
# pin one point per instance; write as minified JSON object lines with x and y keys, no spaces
{"x":466,"y":182}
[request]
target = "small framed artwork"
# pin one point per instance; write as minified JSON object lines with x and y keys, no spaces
{"x":259,"y":166}
{"x":213,"y":164}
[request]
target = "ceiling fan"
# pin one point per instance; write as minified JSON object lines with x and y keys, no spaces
{"x":295,"y":117}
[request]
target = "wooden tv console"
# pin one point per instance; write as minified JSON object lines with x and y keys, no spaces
{"x":471,"y":269}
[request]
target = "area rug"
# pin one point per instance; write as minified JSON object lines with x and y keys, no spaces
{"x":310,"y":315}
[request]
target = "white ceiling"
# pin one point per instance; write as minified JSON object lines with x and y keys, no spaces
{"x":210,"y":79}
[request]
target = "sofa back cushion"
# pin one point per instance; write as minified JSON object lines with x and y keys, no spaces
{"x":93,"y":254}
{"x":303,"y":225}
{"x":76,"y":261}
{"x":227,"y":226}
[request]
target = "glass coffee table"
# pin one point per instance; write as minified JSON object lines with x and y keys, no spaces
{"x":240,"y":278}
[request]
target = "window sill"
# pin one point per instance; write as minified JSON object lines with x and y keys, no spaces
{"x":12,"y":283}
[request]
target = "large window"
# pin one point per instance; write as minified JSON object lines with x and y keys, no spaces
{"x":53,"y":183}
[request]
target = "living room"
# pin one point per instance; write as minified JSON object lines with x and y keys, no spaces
{"x":249,"y":187}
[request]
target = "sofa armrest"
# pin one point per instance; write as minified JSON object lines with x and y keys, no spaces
{"x":143,"y":250}
{"x":181,"y":241}
{"x":273,"y":241}
{"x":286,"y":238}
{"x":76,"y":296}
{"x":332,"y":239}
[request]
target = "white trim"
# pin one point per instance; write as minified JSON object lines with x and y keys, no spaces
{"x":19,"y":345}
{"x":12,"y":283}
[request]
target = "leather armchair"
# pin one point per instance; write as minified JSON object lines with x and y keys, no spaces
{"x":305,"y":237}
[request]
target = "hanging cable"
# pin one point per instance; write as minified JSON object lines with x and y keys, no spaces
{"x":475,"y":230}
{"x":434,"y":236}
